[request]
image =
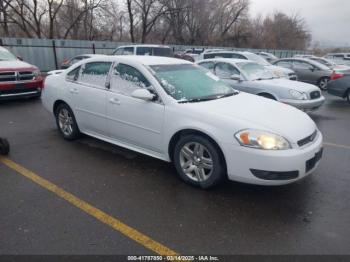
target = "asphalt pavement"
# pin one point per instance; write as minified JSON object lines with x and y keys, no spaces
{"x":309,"y":217}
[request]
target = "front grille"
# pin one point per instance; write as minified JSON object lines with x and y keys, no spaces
{"x":315,"y":94}
{"x":23,"y":76}
{"x":308,"y":139}
{"x":16,"y":76}
{"x":7,"y":76}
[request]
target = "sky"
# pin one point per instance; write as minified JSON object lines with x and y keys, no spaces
{"x":328,"y":20}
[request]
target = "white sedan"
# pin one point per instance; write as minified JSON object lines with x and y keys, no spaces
{"x":178,"y":112}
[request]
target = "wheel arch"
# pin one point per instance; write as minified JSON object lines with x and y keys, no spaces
{"x":267,"y":95}
{"x":347,"y":91}
{"x":56,"y":104}
{"x":189,"y":131}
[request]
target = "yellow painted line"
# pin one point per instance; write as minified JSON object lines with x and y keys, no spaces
{"x":336,"y":145}
{"x":116,"y":224}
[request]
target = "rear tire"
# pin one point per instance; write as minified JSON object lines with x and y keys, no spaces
{"x":198,"y":161}
{"x":66,"y":123}
{"x":323,"y":82}
{"x":4,"y":147}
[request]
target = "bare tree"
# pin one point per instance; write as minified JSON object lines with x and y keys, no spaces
{"x":28,"y":15}
{"x":4,"y":17}
{"x":130,"y":6}
{"x":53,"y":8}
{"x":197,"y":22}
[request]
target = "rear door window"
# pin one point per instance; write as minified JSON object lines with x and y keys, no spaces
{"x":225,"y":70}
{"x":161,"y":51}
{"x":128,"y":51}
{"x":95,"y":73}
{"x":144,"y":51}
{"x":301,"y":65}
{"x":287,"y":64}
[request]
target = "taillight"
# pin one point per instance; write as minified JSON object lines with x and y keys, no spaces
{"x":336,"y":76}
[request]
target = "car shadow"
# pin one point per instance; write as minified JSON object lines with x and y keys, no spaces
{"x":251,"y":200}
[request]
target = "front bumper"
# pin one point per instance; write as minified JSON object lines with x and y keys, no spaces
{"x":15,"y":90}
{"x":305,"y":105}
{"x":242,"y":160}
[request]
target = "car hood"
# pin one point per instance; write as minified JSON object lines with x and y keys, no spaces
{"x":257,"y":112}
{"x":15,"y":65}
{"x":288,"y":84}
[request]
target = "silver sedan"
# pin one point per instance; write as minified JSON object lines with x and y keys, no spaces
{"x":250,"y":77}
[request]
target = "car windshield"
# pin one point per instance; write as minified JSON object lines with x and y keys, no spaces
{"x":7,"y":56}
{"x":258,"y":59}
{"x":190,"y":83}
{"x":254,"y":71}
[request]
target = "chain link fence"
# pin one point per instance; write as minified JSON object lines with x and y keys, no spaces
{"x":47,"y":54}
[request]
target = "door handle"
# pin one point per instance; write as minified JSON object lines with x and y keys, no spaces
{"x":114,"y":101}
{"x":74,"y":91}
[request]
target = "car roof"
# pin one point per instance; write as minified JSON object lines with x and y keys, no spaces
{"x":144,"y":45}
{"x":310,"y":61}
{"x":144,"y":60}
{"x":91,"y":55}
{"x":227,"y":60}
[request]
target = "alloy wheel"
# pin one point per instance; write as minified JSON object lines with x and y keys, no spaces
{"x":65,"y":121}
{"x":323,"y":83}
{"x":196,"y":161}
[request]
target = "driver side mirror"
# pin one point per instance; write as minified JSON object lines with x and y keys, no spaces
{"x":143,"y":94}
{"x":312,"y":68}
{"x":236,"y":77}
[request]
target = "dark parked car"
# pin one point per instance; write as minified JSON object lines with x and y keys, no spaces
{"x":308,"y":71}
{"x":340,"y":86}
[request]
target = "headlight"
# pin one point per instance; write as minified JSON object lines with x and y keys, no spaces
{"x":298,"y":95}
{"x":262,"y":140}
{"x":37,"y":73}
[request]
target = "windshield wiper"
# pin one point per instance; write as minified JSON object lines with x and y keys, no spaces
{"x":203,"y":99}
{"x":195,"y":100}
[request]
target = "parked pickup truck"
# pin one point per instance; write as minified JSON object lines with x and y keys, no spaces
{"x":18,"y":78}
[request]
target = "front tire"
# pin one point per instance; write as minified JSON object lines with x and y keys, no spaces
{"x":198,"y":161}
{"x":323,"y":82}
{"x":66,"y":122}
